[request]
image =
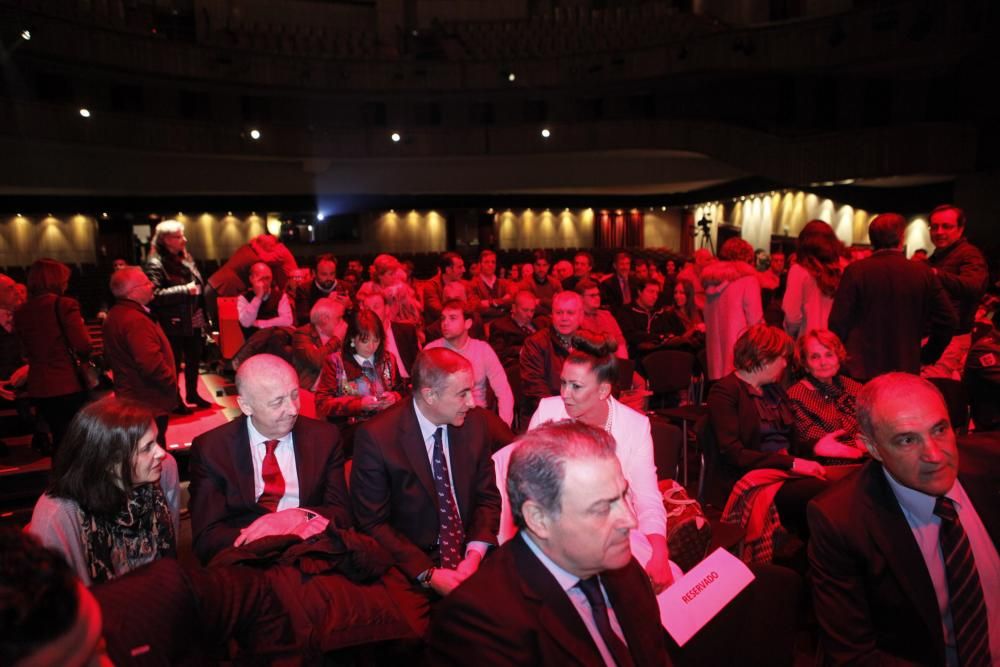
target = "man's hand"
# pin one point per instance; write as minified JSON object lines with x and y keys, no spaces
{"x":808,"y":468}
{"x":193,"y":288}
{"x":260,"y":286}
{"x":286,"y":522}
{"x":469,"y":564}
{"x":445,"y":581}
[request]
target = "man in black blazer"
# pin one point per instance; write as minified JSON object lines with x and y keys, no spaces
{"x":394,"y":490}
{"x":885,"y":304}
{"x":227,"y":466}
{"x":880,"y":581}
{"x":565,"y":590}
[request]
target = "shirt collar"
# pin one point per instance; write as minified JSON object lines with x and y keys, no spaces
{"x":256,"y":439}
{"x":361,"y":360}
{"x":567,"y":580}
{"x":427,"y":427}
{"x":917,"y":503}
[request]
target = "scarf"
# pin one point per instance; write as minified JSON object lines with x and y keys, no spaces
{"x":834,"y":392}
{"x":141,"y":532}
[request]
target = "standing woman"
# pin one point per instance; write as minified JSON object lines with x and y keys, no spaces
{"x":813,"y":279}
{"x":732,"y":303}
{"x":178,"y":304}
{"x":113,"y":503}
{"x":50,"y":326}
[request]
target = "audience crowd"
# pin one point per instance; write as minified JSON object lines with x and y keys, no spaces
{"x":476,"y":482}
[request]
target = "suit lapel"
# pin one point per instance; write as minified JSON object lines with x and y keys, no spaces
{"x":243,"y":461}
{"x":460,"y":457}
{"x":632,"y":624}
{"x":416,"y":452}
{"x":893,"y":537}
{"x":305,"y":467}
{"x":557,"y":616}
{"x":985,"y":497}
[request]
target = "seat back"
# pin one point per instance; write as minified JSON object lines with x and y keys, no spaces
{"x":957,"y":400}
{"x":230,"y":332}
{"x":667,"y":443}
{"x":668,"y":370}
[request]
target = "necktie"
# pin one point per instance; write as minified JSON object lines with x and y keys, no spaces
{"x":968,"y":608}
{"x":451,"y":535}
{"x":592,"y":589}
{"x":626,"y":293}
{"x":274,"y":482}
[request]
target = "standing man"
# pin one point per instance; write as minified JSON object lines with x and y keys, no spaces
{"x":565,"y":590}
{"x":962,"y":270}
{"x":423,"y":483}
{"x":903,"y":554}
{"x":885,"y":304}
{"x":486,"y":368}
{"x":137,"y":349}
{"x":617,"y":289}
{"x":269,"y":472}
{"x":264,"y":305}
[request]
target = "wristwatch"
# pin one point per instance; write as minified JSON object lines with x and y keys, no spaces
{"x":424,"y":578}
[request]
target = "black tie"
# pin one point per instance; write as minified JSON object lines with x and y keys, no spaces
{"x":451,"y":534}
{"x":592,"y":589}
{"x":965,"y":592}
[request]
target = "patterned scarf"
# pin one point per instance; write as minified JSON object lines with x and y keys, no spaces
{"x":142,"y":532}
{"x":834,"y":393}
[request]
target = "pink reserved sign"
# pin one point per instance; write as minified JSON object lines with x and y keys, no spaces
{"x":695,"y":599}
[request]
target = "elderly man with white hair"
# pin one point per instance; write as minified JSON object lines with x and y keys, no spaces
{"x":314,"y":342}
{"x":543,"y":352}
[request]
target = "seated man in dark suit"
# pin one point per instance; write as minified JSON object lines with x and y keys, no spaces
{"x":565,"y":590}
{"x":269,"y":472}
{"x":904,"y":553}
{"x":423,"y":483}
{"x":507,"y":333}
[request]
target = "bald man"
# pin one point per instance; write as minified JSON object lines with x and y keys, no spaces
{"x":269,"y":472}
{"x":137,"y":350}
{"x":8,"y":293}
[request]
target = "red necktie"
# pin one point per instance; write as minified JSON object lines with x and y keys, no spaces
{"x":274,"y":482}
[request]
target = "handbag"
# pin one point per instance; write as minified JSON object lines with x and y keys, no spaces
{"x":86,"y":370}
{"x":689,"y":533}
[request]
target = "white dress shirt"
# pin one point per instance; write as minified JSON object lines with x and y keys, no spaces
{"x":568,"y":582}
{"x":285,"y":454}
{"x":918,"y":508}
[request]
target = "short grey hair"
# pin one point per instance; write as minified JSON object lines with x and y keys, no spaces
{"x":123,"y":280}
{"x":433,"y":367}
{"x":538,"y":464}
{"x":263,"y":365}
{"x":324,"y":308}
{"x":568,"y":295}
{"x":872,"y":393}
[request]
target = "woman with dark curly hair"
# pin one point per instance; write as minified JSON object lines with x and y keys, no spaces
{"x":113,"y":503}
{"x":178,"y":304}
{"x":813,"y":279}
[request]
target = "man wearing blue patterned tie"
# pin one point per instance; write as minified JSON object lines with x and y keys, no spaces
{"x":423,"y":483}
{"x":904,"y":553}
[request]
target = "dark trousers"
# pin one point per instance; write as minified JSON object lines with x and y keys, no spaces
{"x":189,"y":350}
{"x":58,"y":412}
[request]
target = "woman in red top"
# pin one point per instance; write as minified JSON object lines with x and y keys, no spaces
{"x":49,"y":325}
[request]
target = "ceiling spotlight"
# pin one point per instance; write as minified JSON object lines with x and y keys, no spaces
{"x":85,"y":112}
{"x":26,"y":35}
{"x":320,"y":216}
{"x":255,"y":134}
{"x":546,"y":134}
{"x":395,"y":136}
{"x":511,"y":77}
{"x":104,"y":216}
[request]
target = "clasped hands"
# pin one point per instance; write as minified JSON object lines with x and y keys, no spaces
{"x":291,"y":521}
{"x":444,"y":580}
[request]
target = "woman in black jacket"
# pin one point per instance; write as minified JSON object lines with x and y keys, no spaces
{"x":178,"y":304}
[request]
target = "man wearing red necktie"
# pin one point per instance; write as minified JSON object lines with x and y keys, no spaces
{"x":269,"y":472}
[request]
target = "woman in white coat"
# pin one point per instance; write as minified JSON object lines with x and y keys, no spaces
{"x":587,"y":376}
